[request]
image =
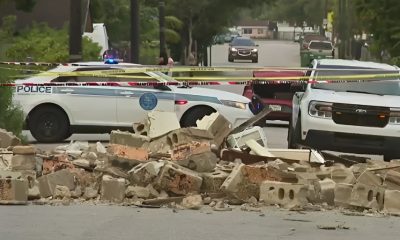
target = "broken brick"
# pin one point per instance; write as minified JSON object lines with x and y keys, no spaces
{"x":13,"y":191}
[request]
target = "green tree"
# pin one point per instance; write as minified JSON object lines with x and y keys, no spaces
{"x":24,"y":5}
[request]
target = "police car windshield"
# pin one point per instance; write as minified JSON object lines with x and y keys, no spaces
{"x":391,"y":86}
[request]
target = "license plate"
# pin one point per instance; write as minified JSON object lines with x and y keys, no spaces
{"x":275,"y":108}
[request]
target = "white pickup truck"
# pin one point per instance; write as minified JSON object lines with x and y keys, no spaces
{"x":354,"y":117}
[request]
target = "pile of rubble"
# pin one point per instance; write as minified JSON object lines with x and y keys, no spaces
{"x":162,"y":164}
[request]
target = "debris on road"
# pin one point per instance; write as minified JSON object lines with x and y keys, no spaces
{"x":187,"y":168}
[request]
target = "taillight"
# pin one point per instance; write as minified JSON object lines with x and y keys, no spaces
{"x":181,"y":102}
{"x":394,"y":116}
{"x":320,"y":109}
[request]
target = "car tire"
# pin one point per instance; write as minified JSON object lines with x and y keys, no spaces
{"x":190,"y":117}
{"x":294,"y":135}
{"x":49,"y":124}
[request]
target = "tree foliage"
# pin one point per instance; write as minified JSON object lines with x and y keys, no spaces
{"x":23,"y":5}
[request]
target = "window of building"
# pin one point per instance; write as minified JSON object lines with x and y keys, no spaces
{"x":260,"y":31}
{"x":247,"y":31}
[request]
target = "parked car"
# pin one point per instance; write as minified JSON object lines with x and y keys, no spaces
{"x":276,"y":95}
{"x":308,"y":37}
{"x":322,"y":47}
{"x":53,"y":113}
{"x":354,"y":117}
{"x":243,"y":48}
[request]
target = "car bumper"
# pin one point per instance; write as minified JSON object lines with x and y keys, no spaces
{"x":354,"y":143}
{"x":239,"y":56}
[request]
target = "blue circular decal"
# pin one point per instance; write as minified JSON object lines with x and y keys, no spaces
{"x":148,"y":101}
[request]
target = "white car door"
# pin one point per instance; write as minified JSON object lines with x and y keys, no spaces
{"x":133,"y":103}
{"x":89,"y":105}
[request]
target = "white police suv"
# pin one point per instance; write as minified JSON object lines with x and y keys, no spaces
{"x":355,"y":117}
{"x":54,"y":113}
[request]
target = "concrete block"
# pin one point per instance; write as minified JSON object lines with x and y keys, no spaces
{"x":34,"y":193}
{"x":90,"y":193}
{"x":23,"y":162}
{"x":5,"y":158}
{"x":129,"y":139}
{"x":126,"y":157}
{"x":61,"y":192}
{"x":30,"y":176}
{"x":258,"y":149}
{"x":213,"y":181}
{"x":325,"y":190}
{"x":392,"y":180}
{"x":244,"y":181}
{"x":24,"y":150}
{"x":48,"y":183}
{"x":367,"y":196}
{"x":392,"y":202}
{"x":13,"y":191}
{"x":369,"y":178}
{"x":278,"y":164}
{"x":202,"y":162}
{"x":10,"y":174}
{"x":285,"y":194}
{"x":185,"y":135}
{"x":217,"y":125}
{"x":8,"y":139}
{"x":343,"y":175}
{"x":179,"y":180}
{"x":192,"y":202}
{"x":301,"y":167}
{"x":184,"y":151}
{"x":160,"y":145}
{"x":145,"y":173}
{"x":157,"y":124}
{"x":343,"y":194}
{"x":112,"y":189}
{"x":137,"y":191}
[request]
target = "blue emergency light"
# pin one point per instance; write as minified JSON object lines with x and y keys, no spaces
{"x":110,"y":57}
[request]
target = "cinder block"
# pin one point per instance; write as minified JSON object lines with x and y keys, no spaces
{"x":129,"y":139}
{"x":179,"y":180}
{"x":325,"y":190}
{"x":392,"y":180}
{"x":145,"y":173}
{"x":48,"y":183}
{"x":217,"y":125}
{"x":24,"y":150}
{"x":367,"y":196}
{"x":23,"y":162}
{"x":284,"y":194}
{"x":392,"y":201}
{"x":306,"y":178}
{"x":112,"y":189}
{"x":369,"y":178}
{"x":244,"y":181}
{"x":137,"y":191}
{"x":343,"y":175}
{"x":203,"y":162}
{"x":160,"y":145}
{"x":343,"y":194}
{"x":8,"y":139}
{"x":185,"y":135}
{"x":126,"y":157}
{"x":13,"y":191}
{"x":213,"y":181}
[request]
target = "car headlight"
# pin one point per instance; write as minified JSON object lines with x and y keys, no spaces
{"x":394,"y":117}
{"x":234,"y":104}
{"x":233,"y":49}
{"x":254,"y":50}
{"x":320,"y":109}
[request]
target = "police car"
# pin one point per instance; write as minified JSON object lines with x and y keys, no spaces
{"x":55,"y":112}
{"x":355,"y":117}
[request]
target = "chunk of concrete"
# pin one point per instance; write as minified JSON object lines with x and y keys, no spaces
{"x":129,"y":139}
{"x":392,"y":202}
{"x":48,"y":183}
{"x":13,"y":191}
{"x":202,"y":162}
{"x":33,"y":193}
{"x":278,"y":164}
{"x":126,"y":157}
{"x":186,"y":135}
{"x":343,"y":175}
{"x":100,"y":148}
{"x":137,"y":191}
{"x":23,"y":162}
{"x":24,"y":150}
{"x":10,"y":174}
{"x":145,"y":173}
{"x":258,"y":149}
{"x":62,"y":192}
{"x":370,"y":197}
{"x":343,"y":194}
{"x":90,"y":193}
{"x":160,"y":145}
{"x":213,"y":181}
{"x":113,"y":189}
{"x":217,"y":125}
{"x":184,"y":151}
{"x":325,"y":190}
{"x":307,"y":178}
{"x":392,"y":180}
{"x":8,"y":139}
{"x":285,"y":194}
{"x":157,"y":124}
{"x":192,"y":202}
{"x":369,"y":178}
{"x":179,"y":180}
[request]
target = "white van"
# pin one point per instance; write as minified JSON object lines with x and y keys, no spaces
{"x":99,"y":36}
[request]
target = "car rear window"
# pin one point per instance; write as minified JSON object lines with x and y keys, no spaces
{"x":243,"y":42}
{"x":276,"y":91}
{"x":321,"y":45}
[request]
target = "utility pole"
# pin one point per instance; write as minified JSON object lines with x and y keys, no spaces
{"x":75,"y":31}
{"x":135,"y":31}
{"x":161,"y":18}
{"x":342,"y":30}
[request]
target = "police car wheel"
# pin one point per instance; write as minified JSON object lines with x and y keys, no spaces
{"x":49,"y":124}
{"x":189,"y":118}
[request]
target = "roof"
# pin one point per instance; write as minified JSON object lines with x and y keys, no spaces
{"x":355,"y":64}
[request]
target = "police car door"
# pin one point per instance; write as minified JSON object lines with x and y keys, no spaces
{"x":133,"y":103}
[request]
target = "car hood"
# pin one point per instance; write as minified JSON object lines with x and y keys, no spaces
{"x":356,"y":98}
{"x":206,"y":92}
